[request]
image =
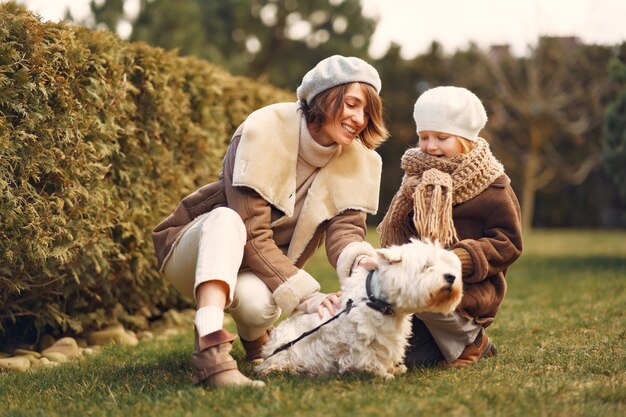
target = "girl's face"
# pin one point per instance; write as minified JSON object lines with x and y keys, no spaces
{"x":439,"y":144}
{"x":350,"y":122}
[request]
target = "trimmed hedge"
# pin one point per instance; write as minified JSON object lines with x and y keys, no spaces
{"x":99,"y":140}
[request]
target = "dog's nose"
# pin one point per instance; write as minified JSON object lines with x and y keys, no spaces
{"x":449,"y":278}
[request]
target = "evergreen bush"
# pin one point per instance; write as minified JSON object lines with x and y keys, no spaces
{"x":99,"y":140}
{"x":614,"y":132}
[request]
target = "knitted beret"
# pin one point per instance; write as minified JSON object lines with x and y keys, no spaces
{"x":334,"y":71}
{"x":453,"y":110}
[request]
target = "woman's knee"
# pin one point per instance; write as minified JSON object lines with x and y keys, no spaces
{"x":253,"y":304}
{"x":224,"y":218}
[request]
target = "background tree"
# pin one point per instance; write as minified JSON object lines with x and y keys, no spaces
{"x":546,"y":113}
{"x":545,"y":109}
{"x":278,"y":40}
{"x":614,"y":135}
{"x":403,"y":80}
{"x":109,"y":13}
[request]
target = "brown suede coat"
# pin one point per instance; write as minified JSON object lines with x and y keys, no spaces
{"x":258,"y":182}
{"x":490,"y":240}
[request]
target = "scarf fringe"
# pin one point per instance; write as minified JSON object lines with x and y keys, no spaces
{"x":432,"y":214}
{"x":393,"y":230}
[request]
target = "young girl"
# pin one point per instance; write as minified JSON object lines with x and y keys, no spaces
{"x":455,"y":191}
{"x":296,"y":176}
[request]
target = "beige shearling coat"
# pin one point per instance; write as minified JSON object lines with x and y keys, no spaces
{"x":259,"y":179}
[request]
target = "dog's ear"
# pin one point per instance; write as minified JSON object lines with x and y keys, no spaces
{"x":392,"y":255}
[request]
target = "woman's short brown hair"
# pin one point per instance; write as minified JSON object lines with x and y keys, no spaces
{"x":328,"y":105}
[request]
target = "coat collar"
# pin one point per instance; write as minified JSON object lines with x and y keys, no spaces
{"x":267,"y":155}
{"x":266,"y":162}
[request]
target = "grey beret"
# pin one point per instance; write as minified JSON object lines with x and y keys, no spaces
{"x":453,"y":110}
{"x":334,"y":71}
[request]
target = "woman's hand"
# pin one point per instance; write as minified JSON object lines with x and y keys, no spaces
{"x":318,"y":301}
{"x":332,"y":302}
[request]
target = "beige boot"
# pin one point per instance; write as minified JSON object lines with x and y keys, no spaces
{"x":255,"y":347}
{"x":213,"y":364}
{"x":481,"y":348}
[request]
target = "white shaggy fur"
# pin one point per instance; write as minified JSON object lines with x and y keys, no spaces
{"x":412,"y":277}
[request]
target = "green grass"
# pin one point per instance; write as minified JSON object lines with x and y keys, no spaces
{"x":561,"y":334}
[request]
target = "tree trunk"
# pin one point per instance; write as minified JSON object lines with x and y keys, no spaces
{"x":529,"y":179}
{"x":529,"y":190}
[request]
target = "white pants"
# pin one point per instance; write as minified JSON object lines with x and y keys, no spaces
{"x":211,"y":249}
{"x":451,"y":333}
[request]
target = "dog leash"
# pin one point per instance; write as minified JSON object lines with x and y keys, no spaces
{"x":349,"y":305}
{"x":373,"y":302}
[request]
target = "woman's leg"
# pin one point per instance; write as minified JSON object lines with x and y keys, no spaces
{"x":254,"y":311}
{"x":204,"y":266}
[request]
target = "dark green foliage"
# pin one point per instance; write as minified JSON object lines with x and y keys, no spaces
{"x":614,"y":134}
{"x":277,"y":40}
{"x":99,"y":139}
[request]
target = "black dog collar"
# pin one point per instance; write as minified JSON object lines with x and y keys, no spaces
{"x":374,"y":302}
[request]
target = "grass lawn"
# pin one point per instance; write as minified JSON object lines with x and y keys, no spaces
{"x":561,"y":334}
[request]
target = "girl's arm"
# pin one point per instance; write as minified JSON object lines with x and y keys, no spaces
{"x":500,"y":244}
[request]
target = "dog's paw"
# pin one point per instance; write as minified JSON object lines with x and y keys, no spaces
{"x":399,"y":370}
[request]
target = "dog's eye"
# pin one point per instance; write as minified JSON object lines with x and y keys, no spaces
{"x":426,"y":266}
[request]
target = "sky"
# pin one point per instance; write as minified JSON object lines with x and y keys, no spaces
{"x":415,"y":24}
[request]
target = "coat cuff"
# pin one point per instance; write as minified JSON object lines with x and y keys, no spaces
{"x":349,"y":255}
{"x":291,"y":292}
{"x":477,"y":266}
{"x":466,"y":261}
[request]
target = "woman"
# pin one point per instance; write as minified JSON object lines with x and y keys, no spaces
{"x":296,"y":175}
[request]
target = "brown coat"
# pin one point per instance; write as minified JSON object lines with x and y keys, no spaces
{"x":489,"y":229}
{"x":490,"y":240}
{"x":258,"y":180}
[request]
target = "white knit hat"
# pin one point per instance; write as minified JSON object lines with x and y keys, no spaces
{"x":453,"y":110}
{"x":334,"y":71}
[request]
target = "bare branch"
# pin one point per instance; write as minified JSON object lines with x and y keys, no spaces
{"x":581,"y":173}
{"x":544,"y":177}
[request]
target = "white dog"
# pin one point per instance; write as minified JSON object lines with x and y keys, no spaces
{"x":372,"y":335}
